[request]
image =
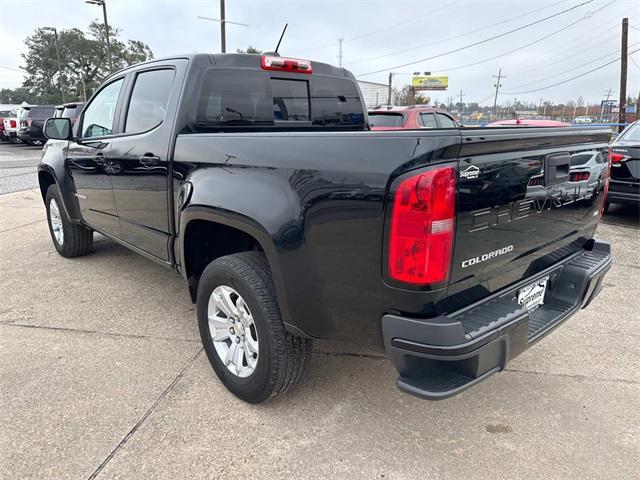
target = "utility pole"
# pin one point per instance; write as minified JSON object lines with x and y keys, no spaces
{"x":106,"y":28}
{"x":461,"y":104}
{"x":340,"y":40}
{"x":55,"y":33}
{"x":223,"y":30}
{"x":497,"y":85}
{"x":575,"y":107}
{"x":390,"y":93}
{"x":540,"y":106}
{"x":624,"y":56}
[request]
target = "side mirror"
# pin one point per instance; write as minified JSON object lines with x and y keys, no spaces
{"x":58,"y":128}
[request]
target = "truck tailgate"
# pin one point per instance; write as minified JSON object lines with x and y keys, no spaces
{"x":522,"y":204}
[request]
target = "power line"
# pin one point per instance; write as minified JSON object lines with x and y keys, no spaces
{"x":388,"y":27}
{"x":454,"y":37}
{"x":480,"y":42}
{"x":526,"y":45}
{"x":15,"y":69}
{"x":572,"y":78}
{"x":617,"y":52}
{"x":583,"y":46}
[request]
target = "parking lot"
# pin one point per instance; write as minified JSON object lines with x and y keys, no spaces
{"x":103,"y":376}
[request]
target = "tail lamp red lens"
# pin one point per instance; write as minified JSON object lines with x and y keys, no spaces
{"x":13,"y":124}
{"x":422,"y":227}
{"x":285,"y":64}
{"x":617,"y":157}
{"x":579,"y":176}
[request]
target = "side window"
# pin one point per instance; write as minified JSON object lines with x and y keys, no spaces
{"x":98,"y":117}
{"x":428,"y":120}
{"x":149,"y":100}
{"x":290,"y":100}
{"x":446,"y":121}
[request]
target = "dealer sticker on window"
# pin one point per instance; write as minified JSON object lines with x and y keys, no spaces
{"x":532,"y":296}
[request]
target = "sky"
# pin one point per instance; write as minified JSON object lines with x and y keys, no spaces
{"x":380,"y":36}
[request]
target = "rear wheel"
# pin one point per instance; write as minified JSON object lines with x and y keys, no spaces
{"x":242,"y":332}
{"x":70,"y":240}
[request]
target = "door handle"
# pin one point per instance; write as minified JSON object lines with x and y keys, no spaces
{"x":149,"y":160}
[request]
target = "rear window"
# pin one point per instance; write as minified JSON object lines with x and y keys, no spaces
{"x":234,"y":98}
{"x":580,"y":158}
{"x":40,"y":112}
{"x":335,"y":101}
{"x":377,"y":119}
{"x":241,"y":98}
{"x":290,"y":100}
{"x":71,"y":112}
{"x":632,"y":134}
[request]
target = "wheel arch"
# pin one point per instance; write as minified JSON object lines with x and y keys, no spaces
{"x":197,"y":224}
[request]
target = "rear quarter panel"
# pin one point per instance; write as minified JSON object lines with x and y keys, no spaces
{"x":316,"y":203}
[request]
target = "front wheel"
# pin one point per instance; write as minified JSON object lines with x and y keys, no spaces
{"x":242,"y":332}
{"x":69,"y":239}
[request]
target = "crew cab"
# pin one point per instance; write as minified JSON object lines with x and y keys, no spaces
{"x":259,"y":181}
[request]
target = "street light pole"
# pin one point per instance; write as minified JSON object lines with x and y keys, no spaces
{"x":60,"y":84}
{"x":106,"y":28}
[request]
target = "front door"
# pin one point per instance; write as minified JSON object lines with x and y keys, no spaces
{"x":87,"y":160}
{"x":140,"y":153}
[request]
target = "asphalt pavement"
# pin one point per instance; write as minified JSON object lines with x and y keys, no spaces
{"x":102,"y":376}
{"x":18,"y":167}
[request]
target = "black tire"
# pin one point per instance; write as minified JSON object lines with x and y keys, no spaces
{"x":77,"y":239}
{"x":283,"y":357}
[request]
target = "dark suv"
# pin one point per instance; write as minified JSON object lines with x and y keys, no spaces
{"x":69,"y":110}
{"x":32,"y":120}
{"x":624,"y":183}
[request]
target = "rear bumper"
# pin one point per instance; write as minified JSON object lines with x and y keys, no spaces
{"x":440,"y":357}
{"x":621,"y":191}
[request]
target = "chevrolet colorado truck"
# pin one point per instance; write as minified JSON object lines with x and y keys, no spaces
{"x":258,"y":180}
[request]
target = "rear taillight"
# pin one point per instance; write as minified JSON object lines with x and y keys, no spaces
{"x":536,"y":181}
{"x":579,"y":176}
{"x":617,"y":157}
{"x":422,"y":227}
{"x":285,"y":64}
{"x":13,"y":124}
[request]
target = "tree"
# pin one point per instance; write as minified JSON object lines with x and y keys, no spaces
{"x":407,"y":96}
{"x":250,"y":49}
{"x":84,"y":61}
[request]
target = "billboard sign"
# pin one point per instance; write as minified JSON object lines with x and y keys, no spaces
{"x":429,"y":82}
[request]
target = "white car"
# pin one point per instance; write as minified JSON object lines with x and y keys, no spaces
{"x":586,"y":179}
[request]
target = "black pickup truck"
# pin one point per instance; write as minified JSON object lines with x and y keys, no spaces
{"x":258,"y":180}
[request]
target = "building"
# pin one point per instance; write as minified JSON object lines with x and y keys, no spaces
{"x":374,"y":93}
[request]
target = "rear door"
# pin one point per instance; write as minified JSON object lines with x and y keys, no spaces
{"x":518,"y":209}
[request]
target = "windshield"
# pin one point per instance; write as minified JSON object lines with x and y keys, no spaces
{"x":384,"y":119}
